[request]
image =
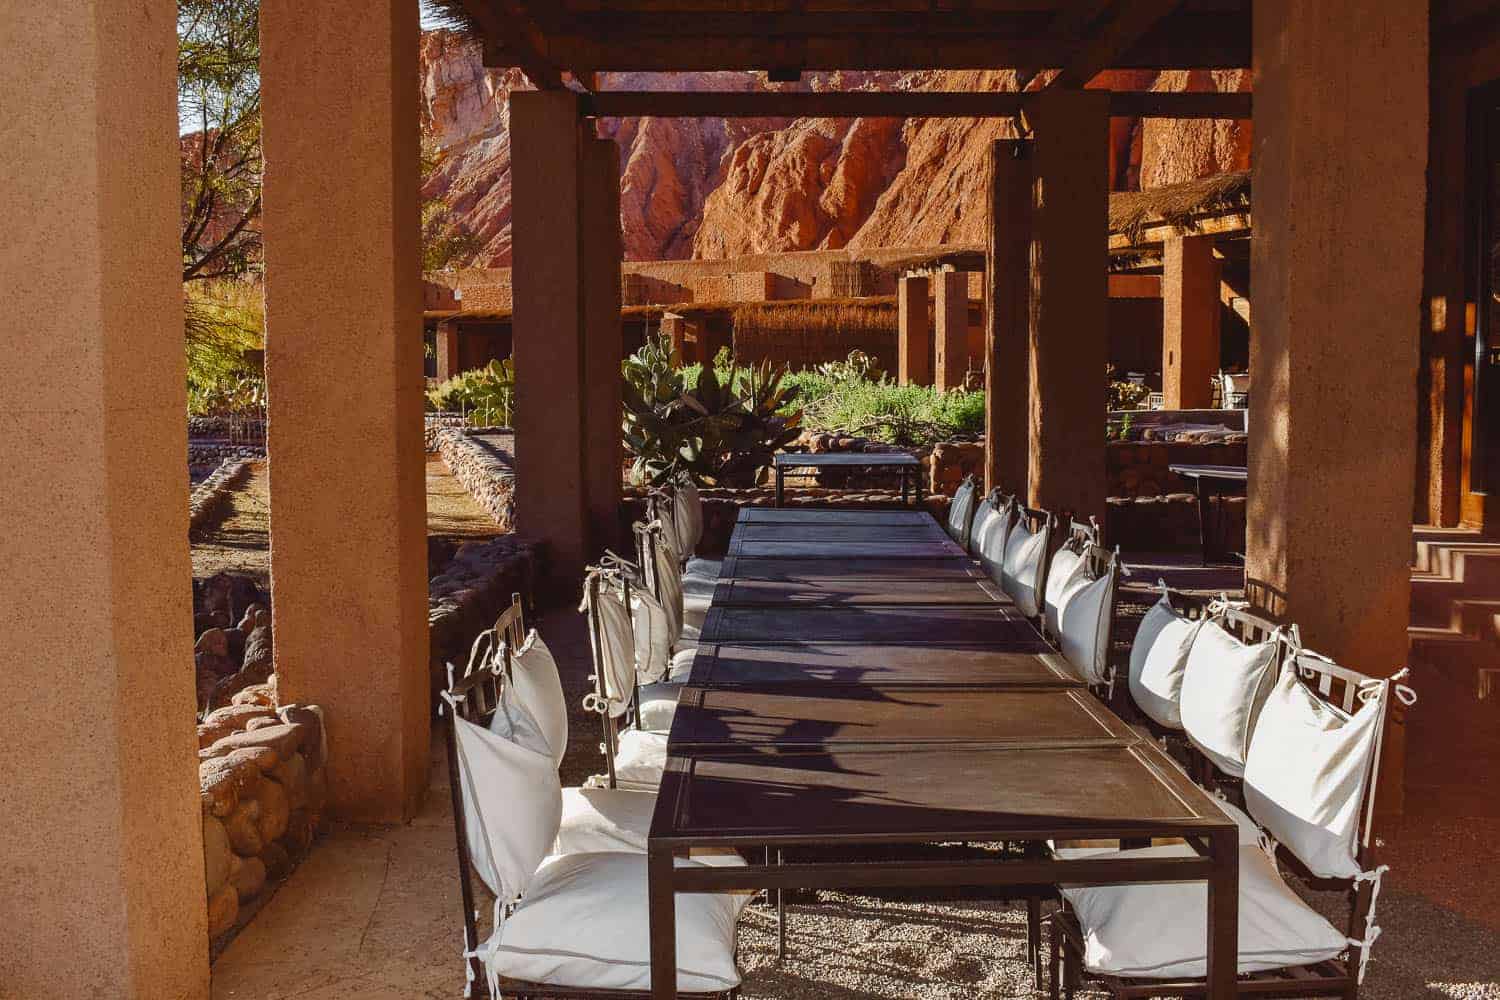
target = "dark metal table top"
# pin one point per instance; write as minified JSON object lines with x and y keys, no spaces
{"x":830,"y":515}
{"x":768,"y":666}
{"x":828,"y":715}
{"x":766,"y":794}
{"x":817,"y":548}
{"x":1232,"y":473}
{"x":823,"y":459}
{"x":855,"y":590}
{"x":813,"y":570}
{"x":872,"y":534}
{"x":998,"y":626}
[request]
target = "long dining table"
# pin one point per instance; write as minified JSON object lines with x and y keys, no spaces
{"x":861,"y":685}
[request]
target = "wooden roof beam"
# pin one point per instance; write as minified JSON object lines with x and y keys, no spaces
{"x":1131,"y":23}
{"x":891,"y":104}
{"x":514,"y":39}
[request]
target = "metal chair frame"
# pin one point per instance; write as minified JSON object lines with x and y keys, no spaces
{"x":1337,"y":977}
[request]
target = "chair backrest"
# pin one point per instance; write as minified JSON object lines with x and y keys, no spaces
{"x":661,"y":510}
{"x":1245,"y":624}
{"x":661,"y":571}
{"x":1080,"y":608}
{"x":961,"y":510}
{"x":1027,"y":551}
{"x":606,"y":602}
{"x":992,"y":526}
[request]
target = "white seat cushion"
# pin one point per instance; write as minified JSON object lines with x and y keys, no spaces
{"x":698,"y":587}
{"x":1158,"y":659}
{"x":640,"y":759}
{"x":1307,"y":773}
{"x":658,"y":703}
{"x":604,"y":819}
{"x":706,"y":569}
{"x":1224,"y":685}
{"x":1159,"y":930}
{"x":682,"y":664}
{"x":585,"y":924}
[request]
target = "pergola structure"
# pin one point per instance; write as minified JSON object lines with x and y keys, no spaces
{"x":95,"y":598}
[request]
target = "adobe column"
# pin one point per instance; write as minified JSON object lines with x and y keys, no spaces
{"x":548,"y":310}
{"x":1190,"y":322}
{"x":1069,"y":301}
{"x":604,"y":342}
{"x":101,"y":867}
{"x":1340,"y":108}
{"x":448,"y":364}
{"x":1007,"y":370}
{"x":344,"y":378}
{"x":913,"y":332}
{"x":951,"y":330}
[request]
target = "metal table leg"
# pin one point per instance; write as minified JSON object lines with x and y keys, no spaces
{"x":1202,"y":517}
{"x":662,"y":908}
{"x":780,"y":487}
{"x":1223,"y":917}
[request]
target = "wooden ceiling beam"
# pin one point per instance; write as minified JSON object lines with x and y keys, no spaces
{"x":890,"y":104}
{"x":1131,"y":23}
{"x":514,"y":39}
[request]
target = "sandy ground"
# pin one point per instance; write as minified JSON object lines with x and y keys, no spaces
{"x":240,"y":542}
{"x":374,"y":913}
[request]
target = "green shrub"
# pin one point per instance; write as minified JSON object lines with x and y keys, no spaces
{"x":719,"y":428}
{"x":485,"y":396}
{"x":222,"y":323}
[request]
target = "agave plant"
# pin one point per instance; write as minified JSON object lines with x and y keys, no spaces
{"x":721,"y":432}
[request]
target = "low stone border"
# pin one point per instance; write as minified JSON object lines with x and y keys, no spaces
{"x":262,"y":784}
{"x":481,"y":460}
{"x":471,"y":591}
{"x":435,"y":422}
{"x":207,"y":501}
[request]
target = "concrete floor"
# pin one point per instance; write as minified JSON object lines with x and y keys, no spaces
{"x":374,"y":914}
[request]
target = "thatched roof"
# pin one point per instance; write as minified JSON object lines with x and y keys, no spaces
{"x":969,"y":257}
{"x":1130,"y":212}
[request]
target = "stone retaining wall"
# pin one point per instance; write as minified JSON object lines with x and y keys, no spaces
{"x":481,"y":459}
{"x":472,"y":589}
{"x":207,"y":501}
{"x":262,"y":784}
{"x":1142,"y":468}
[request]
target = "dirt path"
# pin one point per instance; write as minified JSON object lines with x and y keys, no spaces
{"x":241,"y":541}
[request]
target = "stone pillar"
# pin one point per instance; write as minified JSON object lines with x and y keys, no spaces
{"x":604,"y":341}
{"x":951,"y":329}
{"x":913,"y":332}
{"x":549,"y":309}
{"x":1007,"y":369}
{"x":1069,"y":302}
{"x":1340,"y":111}
{"x":344,"y":374}
{"x":101,"y":868}
{"x":448,"y":364}
{"x":1190,"y":322}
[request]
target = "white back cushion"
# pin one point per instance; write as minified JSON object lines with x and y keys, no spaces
{"x":604,"y":819}
{"x":538,"y":687}
{"x":1024,"y":552}
{"x":585,"y":924}
{"x":512,"y":807}
{"x":1066,"y":573}
{"x":1224,"y":685}
{"x":641,"y":759}
{"x":688,"y":513}
{"x":1156,"y":930}
{"x":513,"y":721}
{"x":666,"y":516}
{"x":1084,"y":630}
{"x":1158,"y":659}
{"x":653,"y":638}
{"x":617,"y":647}
{"x":989,"y":538}
{"x":669,"y":588}
{"x":1307,"y":773}
{"x":960,"y":509}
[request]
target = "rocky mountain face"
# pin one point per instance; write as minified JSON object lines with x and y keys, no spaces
{"x":716,"y":188}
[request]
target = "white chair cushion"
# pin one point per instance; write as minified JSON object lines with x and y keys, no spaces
{"x":640,"y":759}
{"x":669,"y":587}
{"x":1307,"y":773}
{"x":604,"y":819}
{"x":960,"y":510}
{"x":1224,"y":685}
{"x":653,"y":638}
{"x":657,"y":705}
{"x":682,"y":665}
{"x":701,"y":587}
{"x":512,"y":806}
{"x":1158,"y":930}
{"x":1087,"y":609}
{"x":1158,"y":659}
{"x":1025,"y":551}
{"x":617,"y":648}
{"x":688,"y":511}
{"x":539,"y":689}
{"x":1066,"y":572}
{"x":514,"y":722}
{"x":585,"y":924}
{"x":988,"y":520}
{"x":989,"y":539}
{"x":701,"y":568}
